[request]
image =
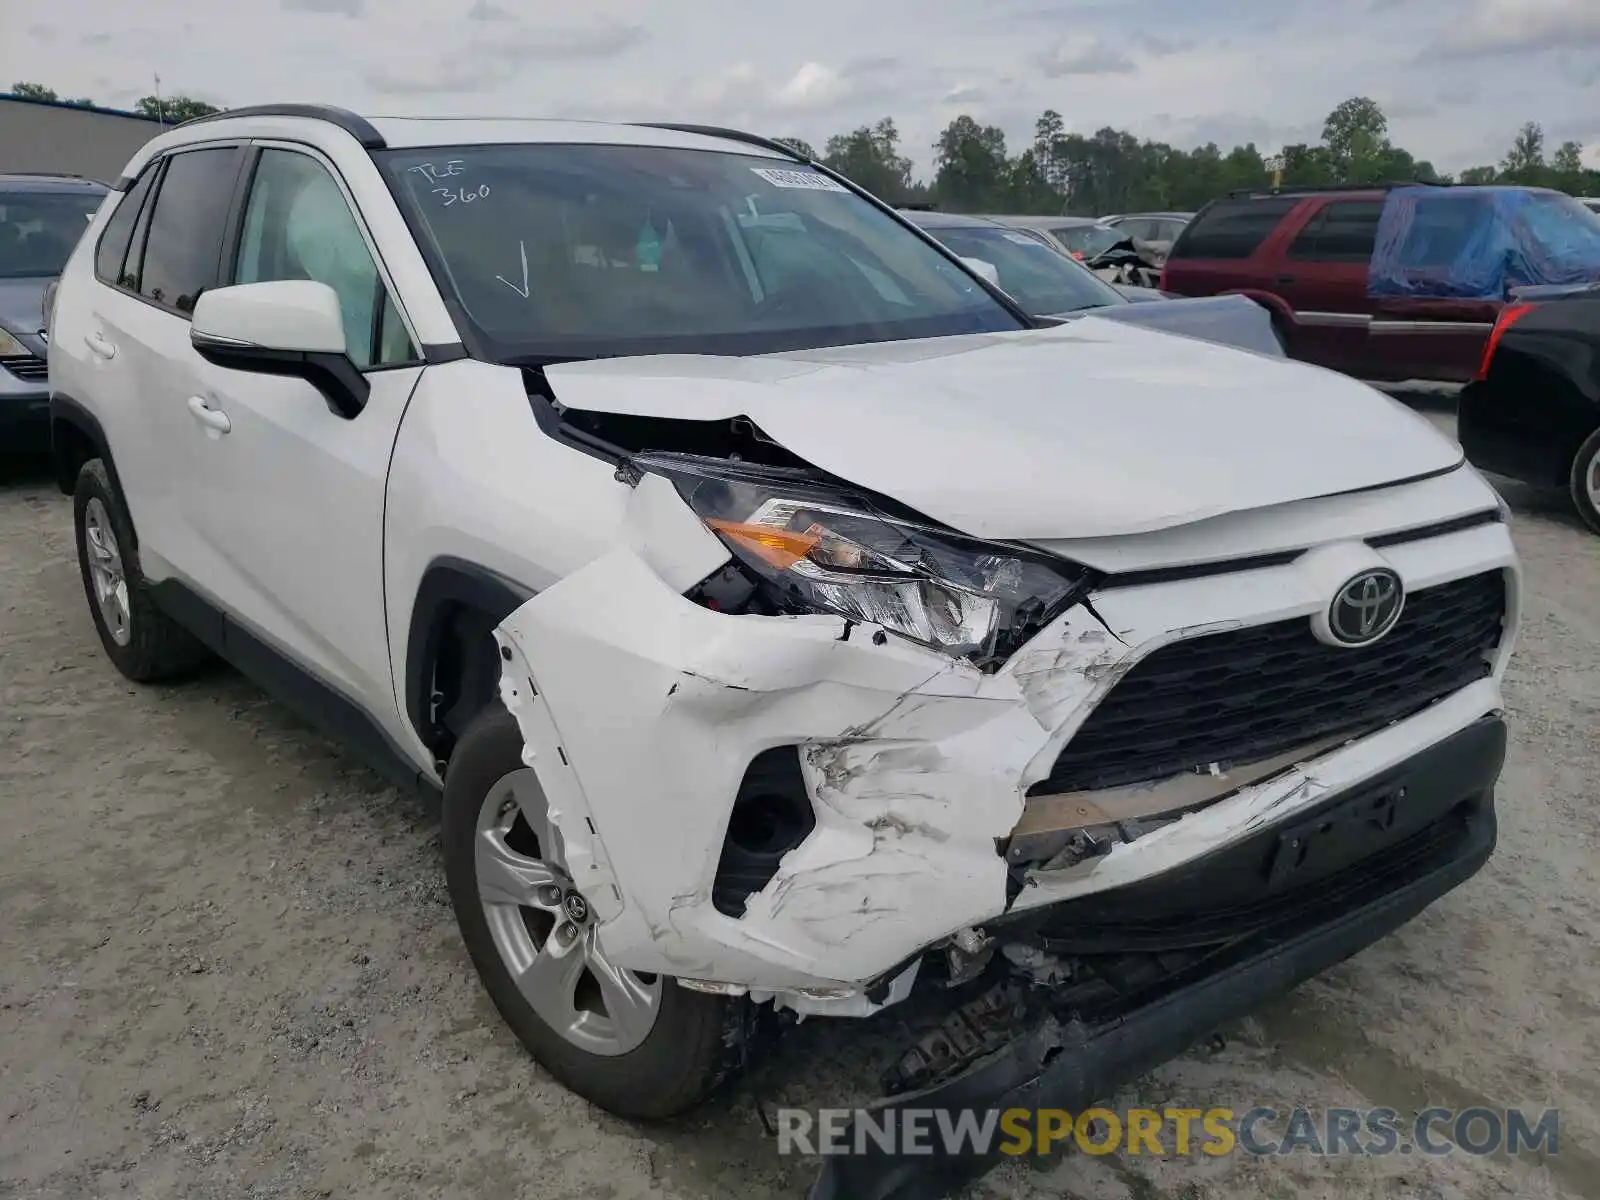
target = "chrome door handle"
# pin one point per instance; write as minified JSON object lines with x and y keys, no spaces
{"x":211,"y":418}
{"x":100,"y":345}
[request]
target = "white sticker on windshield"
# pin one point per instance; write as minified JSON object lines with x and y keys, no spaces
{"x":813,"y":181}
{"x":1020,"y":239}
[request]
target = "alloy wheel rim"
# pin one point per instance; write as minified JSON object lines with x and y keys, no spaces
{"x":106,"y":574}
{"x":1593,"y":480}
{"x":544,"y":929}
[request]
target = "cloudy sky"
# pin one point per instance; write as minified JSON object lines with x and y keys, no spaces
{"x":1456,"y":76}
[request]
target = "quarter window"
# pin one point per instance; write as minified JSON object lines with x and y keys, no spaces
{"x":184,"y":238}
{"x":1232,"y":229}
{"x":1344,"y":231}
{"x":112,"y":251}
{"x":298,"y":225}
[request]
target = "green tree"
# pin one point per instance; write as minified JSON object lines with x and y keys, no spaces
{"x":1027,"y":188}
{"x":37,"y":91}
{"x":870,"y":158}
{"x":174,"y":110}
{"x":1309,"y":166}
{"x":799,"y":145}
{"x":1524,"y":162}
{"x":1568,"y":159}
{"x":1479,"y":175}
{"x":1050,"y":151}
{"x":971,"y":166}
{"x":1356,"y":134}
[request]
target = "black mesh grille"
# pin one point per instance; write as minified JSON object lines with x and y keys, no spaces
{"x":1253,"y":693}
{"x":32,"y":369}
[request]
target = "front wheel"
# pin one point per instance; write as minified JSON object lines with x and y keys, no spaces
{"x":1586,"y":481}
{"x":636,"y":1044}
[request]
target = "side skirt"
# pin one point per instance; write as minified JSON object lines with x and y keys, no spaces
{"x":291,"y":684}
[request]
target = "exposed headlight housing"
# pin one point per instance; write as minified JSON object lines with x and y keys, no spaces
{"x":815,"y":545}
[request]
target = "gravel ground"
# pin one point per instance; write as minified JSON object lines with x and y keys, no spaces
{"x":228,"y":966}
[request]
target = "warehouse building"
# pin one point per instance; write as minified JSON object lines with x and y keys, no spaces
{"x":50,"y":137}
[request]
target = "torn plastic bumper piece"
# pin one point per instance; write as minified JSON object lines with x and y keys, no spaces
{"x":1059,"y":1061}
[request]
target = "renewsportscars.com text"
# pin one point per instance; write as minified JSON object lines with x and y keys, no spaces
{"x":1211,"y":1131}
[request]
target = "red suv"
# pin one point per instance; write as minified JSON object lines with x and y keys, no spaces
{"x":1305,"y":253}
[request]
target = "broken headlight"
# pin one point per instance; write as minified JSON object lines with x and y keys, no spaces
{"x":812,"y":545}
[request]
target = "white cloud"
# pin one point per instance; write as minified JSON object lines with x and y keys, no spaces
{"x":1509,"y":26}
{"x":1084,"y":54}
{"x":814,"y":85}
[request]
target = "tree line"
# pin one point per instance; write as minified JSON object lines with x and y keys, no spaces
{"x":1113,"y":170}
{"x":1110,"y":170}
{"x":171,"y":109}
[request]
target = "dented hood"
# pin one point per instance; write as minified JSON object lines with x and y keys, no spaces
{"x":1085,"y":430}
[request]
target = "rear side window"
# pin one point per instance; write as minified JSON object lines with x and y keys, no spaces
{"x":112,"y":251}
{"x":1343,"y":231}
{"x":1232,"y":228}
{"x":184,"y":239}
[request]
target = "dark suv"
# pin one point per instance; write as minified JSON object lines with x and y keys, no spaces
{"x":42,"y":217}
{"x":1308,"y":254}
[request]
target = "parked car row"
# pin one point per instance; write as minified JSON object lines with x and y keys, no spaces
{"x":42,"y":217}
{"x":790,"y":618}
{"x":1395,"y":283}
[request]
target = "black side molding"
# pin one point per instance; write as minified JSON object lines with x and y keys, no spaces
{"x":354,"y":124}
{"x":288,"y":682}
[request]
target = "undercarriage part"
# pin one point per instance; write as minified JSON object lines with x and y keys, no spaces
{"x":771,"y":815}
{"x":965,"y":958}
{"x":976,"y":1028}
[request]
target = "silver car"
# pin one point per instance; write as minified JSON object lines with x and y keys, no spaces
{"x":1155,"y":231}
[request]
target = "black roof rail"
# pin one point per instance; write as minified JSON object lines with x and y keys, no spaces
{"x":355,"y":125}
{"x":1312,"y":189}
{"x":63,"y":176}
{"x":732,"y":135}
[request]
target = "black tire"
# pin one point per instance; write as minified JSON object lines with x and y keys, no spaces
{"x":156,"y":647}
{"x":1584,"y":463}
{"x":698,"y":1041}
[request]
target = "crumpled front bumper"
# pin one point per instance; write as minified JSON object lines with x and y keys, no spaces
{"x":641,"y":711}
{"x":1057,"y":1060}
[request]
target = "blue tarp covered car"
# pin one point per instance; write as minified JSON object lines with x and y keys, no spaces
{"x":1481,"y":243}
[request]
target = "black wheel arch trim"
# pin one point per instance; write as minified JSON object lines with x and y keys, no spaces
{"x":448,"y":583}
{"x":64,"y":410}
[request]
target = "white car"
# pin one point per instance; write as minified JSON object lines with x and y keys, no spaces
{"x":788,"y":622}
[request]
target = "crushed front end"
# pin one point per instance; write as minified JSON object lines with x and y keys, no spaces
{"x":1180,"y":793}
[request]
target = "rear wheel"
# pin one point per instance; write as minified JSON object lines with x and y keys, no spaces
{"x":142,"y":642}
{"x":1586,"y":481}
{"x":636,"y":1044}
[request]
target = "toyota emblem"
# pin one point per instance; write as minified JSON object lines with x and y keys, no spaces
{"x":1366,"y":608}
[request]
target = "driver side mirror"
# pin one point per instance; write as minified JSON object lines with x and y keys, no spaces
{"x":289,"y":327}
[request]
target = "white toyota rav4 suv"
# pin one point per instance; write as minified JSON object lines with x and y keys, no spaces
{"x":788,"y":620}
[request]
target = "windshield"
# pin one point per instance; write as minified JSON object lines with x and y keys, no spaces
{"x":1044,"y":281}
{"x":1086,"y":241}
{"x":571,"y":251}
{"x":39,"y":229}
{"x":1562,"y":225}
